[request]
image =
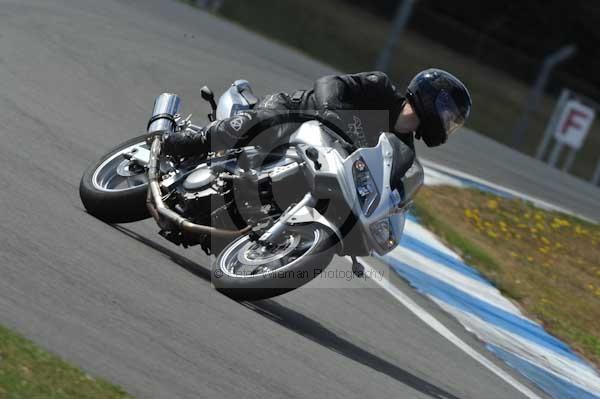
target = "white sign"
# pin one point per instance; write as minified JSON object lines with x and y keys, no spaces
{"x":574,"y":124}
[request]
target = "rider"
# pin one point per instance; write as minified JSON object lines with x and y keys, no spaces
{"x":436,"y":103}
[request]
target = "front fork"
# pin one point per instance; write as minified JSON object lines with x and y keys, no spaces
{"x":302,"y":212}
{"x":273,"y":233}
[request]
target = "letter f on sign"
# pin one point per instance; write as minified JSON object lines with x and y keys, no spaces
{"x":574,"y":124}
{"x":576,"y":118}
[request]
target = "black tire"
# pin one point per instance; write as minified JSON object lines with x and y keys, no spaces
{"x":123,"y":206}
{"x":268,"y":284}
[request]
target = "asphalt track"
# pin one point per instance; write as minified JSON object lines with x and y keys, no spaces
{"x":79,"y":76}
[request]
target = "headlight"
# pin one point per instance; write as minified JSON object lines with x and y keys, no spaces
{"x":383,"y":233}
{"x":367,"y":192}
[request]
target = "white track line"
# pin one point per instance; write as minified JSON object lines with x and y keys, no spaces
{"x":432,"y":322}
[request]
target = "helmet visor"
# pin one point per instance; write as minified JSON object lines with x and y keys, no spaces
{"x":450,"y":115}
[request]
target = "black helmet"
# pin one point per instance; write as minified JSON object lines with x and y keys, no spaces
{"x":442,"y":103}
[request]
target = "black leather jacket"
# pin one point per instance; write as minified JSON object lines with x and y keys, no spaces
{"x":362,"y":104}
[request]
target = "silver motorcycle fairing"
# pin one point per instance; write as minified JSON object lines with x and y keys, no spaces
{"x":390,"y":205}
{"x":379,"y":163}
{"x":232,"y":101}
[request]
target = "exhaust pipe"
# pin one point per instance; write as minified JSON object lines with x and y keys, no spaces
{"x":166,"y":106}
{"x":161,"y":213}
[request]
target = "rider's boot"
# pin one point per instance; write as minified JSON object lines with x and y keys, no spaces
{"x":187,"y":143}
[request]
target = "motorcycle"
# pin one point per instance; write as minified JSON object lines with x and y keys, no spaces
{"x":273,"y":219}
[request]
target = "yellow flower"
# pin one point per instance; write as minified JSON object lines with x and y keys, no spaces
{"x":543,"y":250}
{"x":530,"y":258}
{"x":514,"y":255}
{"x":492,"y":234}
{"x":539,"y":226}
{"x":597,"y":292}
{"x":560,"y":222}
{"x":545,"y":240}
{"x":492,"y":204}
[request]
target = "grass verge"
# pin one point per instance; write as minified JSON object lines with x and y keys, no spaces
{"x":546,"y":261}
{"x":28,"y":372}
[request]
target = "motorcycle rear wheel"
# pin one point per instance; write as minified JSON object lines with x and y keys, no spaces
{"x":114,"y":189}
{"x":244,"y":270}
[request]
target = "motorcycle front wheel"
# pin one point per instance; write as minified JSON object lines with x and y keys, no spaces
{"x":114,"y":189}
{"x":247,"y":270}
